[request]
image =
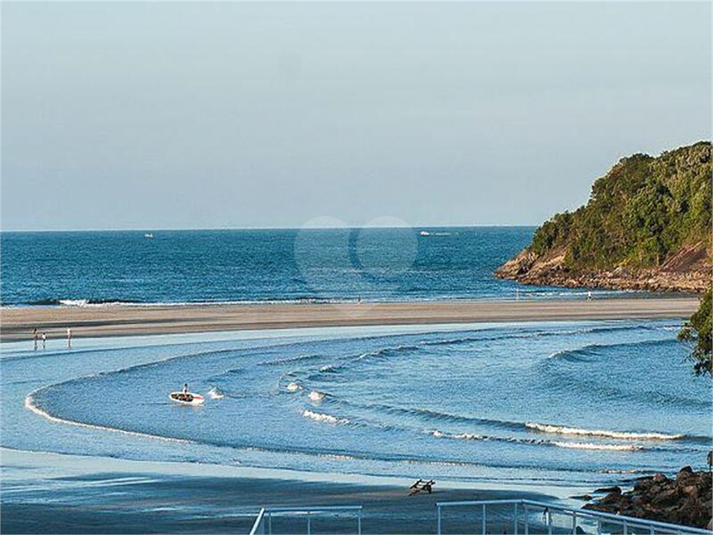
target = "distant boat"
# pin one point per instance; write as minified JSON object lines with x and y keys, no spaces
{"x":425,"y":233}
{"x":148,"y":235}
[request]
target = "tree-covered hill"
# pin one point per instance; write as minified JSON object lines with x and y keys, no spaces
{"x":647,"y":225}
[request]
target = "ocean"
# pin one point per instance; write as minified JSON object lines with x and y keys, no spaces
{"x":575,"y":405}
{"x":571,"y":404}
{"x":246,"y":266}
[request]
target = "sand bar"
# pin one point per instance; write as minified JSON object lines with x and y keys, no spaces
{"x":18,"y":323}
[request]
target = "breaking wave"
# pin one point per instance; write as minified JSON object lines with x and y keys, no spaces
{"x":216,"y":393}
{"x":321,"y":417}
{"x":620,"y":435}
{"x":593,"y":446}
{"x":316,"y":396}
{"x":32,"y":406}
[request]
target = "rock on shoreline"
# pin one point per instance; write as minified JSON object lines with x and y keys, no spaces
{"x":688,"y":271}
{"x":685,"y":499}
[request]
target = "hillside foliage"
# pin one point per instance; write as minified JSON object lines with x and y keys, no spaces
{"x":700,"y":330}
{"x":642,"y":210}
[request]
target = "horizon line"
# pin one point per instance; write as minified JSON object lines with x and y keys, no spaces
{"x":205,"y":229}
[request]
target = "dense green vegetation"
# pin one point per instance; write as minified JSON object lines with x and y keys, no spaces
{"x":699,"y":330}
{"x":642,"y":210}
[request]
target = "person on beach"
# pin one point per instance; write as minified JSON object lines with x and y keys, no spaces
{"x":44,"y":340}
{"x":35,"y":338}
{"x":69,"y":338}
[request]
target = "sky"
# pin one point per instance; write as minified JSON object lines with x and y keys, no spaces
{"x":227,"y":115}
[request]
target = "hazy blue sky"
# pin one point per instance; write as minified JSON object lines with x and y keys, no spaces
{"x":127,"y":115}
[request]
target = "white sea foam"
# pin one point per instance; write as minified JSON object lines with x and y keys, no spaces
{"x":30,"y":405}
{"x":74,"y":302}
{"x":561,"y":430}
{"x":316,"y":396}
{"x":460,"y":436}
{"x":294,"y":387}
{"x":592,"y":446}
{"x":216,"y":393}
{"x":321,"y":417}
{"x":468,"y":436}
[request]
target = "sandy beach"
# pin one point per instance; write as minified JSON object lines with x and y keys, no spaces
{"x":99,"y":321}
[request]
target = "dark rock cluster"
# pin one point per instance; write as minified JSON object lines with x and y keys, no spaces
{"x":685,"y":499}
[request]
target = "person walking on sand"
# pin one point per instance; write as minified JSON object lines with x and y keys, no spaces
{"x":44,"y":340}
{"x":69,"y":338}
{"x":35,"y":338}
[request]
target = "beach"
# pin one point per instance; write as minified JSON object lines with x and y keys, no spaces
{"x":77,"y":494}
{"x":336,"y":404}
{"x":109,"y":320}
{"x":296,"y":407}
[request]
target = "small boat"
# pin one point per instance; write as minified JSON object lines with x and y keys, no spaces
{"x":189,"y":398}
{"x":424,"y":233}
{"x":148,"y":235}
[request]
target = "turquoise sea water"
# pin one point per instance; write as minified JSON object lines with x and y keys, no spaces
{"x":79,"y":268}
{"x":570,"y":404}
{"x":562,"y":404}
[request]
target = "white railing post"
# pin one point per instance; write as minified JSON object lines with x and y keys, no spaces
{"x":574,"y":523}
{"x":515,"y":521}
{"x":359,"y":522}
{"x":309,"y":523}
{"x":549,"y":521}
{"x":626,"y":528}
{"x":269,"y":523}
{"x":439,"y":519}
{"x":527,"y":520}
{"x":483,"y":520}
{"x":259,"y":524}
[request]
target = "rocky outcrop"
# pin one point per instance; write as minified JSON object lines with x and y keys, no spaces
{"x":688,"y":270}
{"x":685,"y":499}
{"x":646,"y":226}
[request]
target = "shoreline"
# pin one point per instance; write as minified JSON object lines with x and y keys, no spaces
{"x":184,"y":498}
{"x":103,"y":321}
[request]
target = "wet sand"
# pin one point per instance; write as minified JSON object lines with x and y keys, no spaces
{"x":99,"y":321}
{"x":51,"y":493}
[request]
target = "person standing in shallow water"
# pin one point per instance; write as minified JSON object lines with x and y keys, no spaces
{"x":44,"y":340}
{"x":69,"y":338}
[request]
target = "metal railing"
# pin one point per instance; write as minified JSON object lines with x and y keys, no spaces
{"x":522,"y":510}
{"x":264,"y":518}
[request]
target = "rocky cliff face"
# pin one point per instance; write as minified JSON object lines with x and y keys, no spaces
{"x":689,"y":270}
{"x":647,"y":226}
